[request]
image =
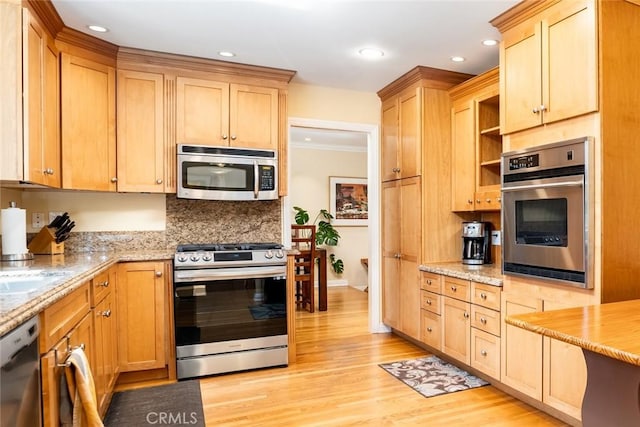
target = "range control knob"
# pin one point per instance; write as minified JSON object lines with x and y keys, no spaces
{"x":279,"y":253}
{"x":268,"y":254}
{"x":182,"y":258}
{"x":195,"y":258}
{"x":206,"y":257}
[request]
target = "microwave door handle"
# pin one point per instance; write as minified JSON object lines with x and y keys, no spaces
{"x":540,"y":186}
{"x":256,"y":179}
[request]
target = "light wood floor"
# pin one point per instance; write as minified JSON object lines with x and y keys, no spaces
{"x":337,"y":382}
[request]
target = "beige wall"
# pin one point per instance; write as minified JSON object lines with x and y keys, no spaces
{"x":309,"y":189}
{"x":324,"y":103}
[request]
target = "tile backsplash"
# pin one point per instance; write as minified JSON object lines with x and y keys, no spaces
{"x":192,"y":221}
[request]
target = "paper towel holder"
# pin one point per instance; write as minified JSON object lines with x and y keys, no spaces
{"x":16,"y":257}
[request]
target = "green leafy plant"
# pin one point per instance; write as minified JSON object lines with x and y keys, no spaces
{"x":326,"y":234}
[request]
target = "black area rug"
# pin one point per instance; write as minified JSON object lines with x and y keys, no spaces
{"x":176,"y":404}
{"x":432,"y":376}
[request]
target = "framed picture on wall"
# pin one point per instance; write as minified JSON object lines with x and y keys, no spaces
{"x":348,"y":200}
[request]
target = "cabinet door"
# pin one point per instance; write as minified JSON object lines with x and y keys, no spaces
{"x":41,"y":111}
{"x":431,"y":328}
{"x":253,"y":117}
{"x":389,"y":146}
{"x":140,"y":146}
{"x":565,"y":377}
{"x":202,"y":115}
{"x":410,"y":134}
{"x":520,"y":78}
{"x":105,"y":350}
{"x":570,"y":58}
{"x":410,"y":243}
{"x":463,"y":182}
{"x":485,"y":352}
{"x":141,"y":316}
{"x":456,"y":334}
{"x":391,"y":253}
{"x":88,"y":125}
{"x":521,"y":351}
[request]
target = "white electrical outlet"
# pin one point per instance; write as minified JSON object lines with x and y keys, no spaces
{"x":496,"y":237}
{"x":37,"y":220}
{"x":53,"y":215}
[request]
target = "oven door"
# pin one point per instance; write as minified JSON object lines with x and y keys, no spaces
{"x":229,"y":309}
{"x":544,"y":228}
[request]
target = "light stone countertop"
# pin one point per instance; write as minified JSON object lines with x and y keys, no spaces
{"x":489,"y":274}
{"x":62,"y":274}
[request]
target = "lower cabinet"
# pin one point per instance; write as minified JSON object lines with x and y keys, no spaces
{"x":564,"y":376}
{"x":143,"y":318}
{"x":456,"y":341}
{"x":69,"y":322}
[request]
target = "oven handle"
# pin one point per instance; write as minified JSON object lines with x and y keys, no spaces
{"x":228,"y":273}
{"x":549,"y":185}
{"x":256,"y":179}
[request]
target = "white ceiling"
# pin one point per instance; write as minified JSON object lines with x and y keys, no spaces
{"x":319,"y":39}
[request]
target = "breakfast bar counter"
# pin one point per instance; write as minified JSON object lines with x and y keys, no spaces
{"x":609,"y":335}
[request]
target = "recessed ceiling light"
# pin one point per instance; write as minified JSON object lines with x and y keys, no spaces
{"x":457,"y":59}
{"x":489,"y":42}
{"x":98,"y":28}
{"x":371,"y":52}
{"x":226,"y":53}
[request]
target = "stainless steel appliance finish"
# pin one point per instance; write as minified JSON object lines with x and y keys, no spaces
{"x":229,"y":308}
{"x":226,"y":173}
{"x":476,"y":239}
{"x":20,"y":376}
{"x":545,"y":212}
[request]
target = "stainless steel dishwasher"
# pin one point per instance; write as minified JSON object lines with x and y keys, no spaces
{"x":20,"y":376}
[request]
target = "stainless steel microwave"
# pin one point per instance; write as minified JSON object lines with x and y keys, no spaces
{"x":226,"y":173}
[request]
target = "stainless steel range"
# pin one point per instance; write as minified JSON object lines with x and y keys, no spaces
{"x":230,"y":311}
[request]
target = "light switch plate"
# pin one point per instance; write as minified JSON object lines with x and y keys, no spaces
{"x":37,"y":220}
{"x":495,"y":237}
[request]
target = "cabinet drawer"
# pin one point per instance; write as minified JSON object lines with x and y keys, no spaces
{"x":100,"y":286}
{"x":431,"y":329}
{"x":457,"y":288}
{"x":485,"y":319}
{"x":485,"y":353}
{"x":430,"y":301}
{"x":486,"y":295}
{"x":431,"y":282}
{"x":58,"y":319}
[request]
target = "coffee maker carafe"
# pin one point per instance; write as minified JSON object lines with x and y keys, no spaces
{"x":476,"y":238}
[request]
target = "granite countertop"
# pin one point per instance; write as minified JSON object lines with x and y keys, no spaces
{"x":489,"y":274}
{"x":58,"y":275}
{"x":608,"y":329}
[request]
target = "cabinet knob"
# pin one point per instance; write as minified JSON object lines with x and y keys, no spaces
{"x":466,"y":315}
{"x":478,"y":201}
{"x":48,"y":171}
{"x":106,"y":313}
{"x":428,"y":281}
{"x":429,"y":329}
{"x":454,"y":288}
{"x":499,"y":199}
{"x":542,"y":108}
{"x":398,"y":256}
{"x":483,"y":320}
{"x":114,"y":179}
{"x":535,"y":110}
{"x":158,"y":181}
{"x":488,"y":200}
{"x":105,"y":284}
{"x":225,"y":137}
{"x":483,"y":295}
{"x":428,"y":302}
{"x":158,"y":273}
{"x":483,"y":352}
{"x":233,"y":137}
{"x":470,"y":201}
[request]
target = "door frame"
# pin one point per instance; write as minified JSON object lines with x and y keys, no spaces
{"x":373,"y":176}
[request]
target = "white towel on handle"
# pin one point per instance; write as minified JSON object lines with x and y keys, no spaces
{"x":82,"y":390}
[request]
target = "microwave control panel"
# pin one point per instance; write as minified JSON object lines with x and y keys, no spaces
{"x":267,"y":178}
{"x":522,"y":162}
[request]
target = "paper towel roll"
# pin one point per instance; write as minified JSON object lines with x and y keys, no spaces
{"x":14,"y":231}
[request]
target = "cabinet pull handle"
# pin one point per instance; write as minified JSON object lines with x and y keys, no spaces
{"x":233,"y":137}
{"x":225,"y":137}
{"x":488,"y":200}
{"x":470,"y":201}
{"x":478,"y":201}
{"x":542,"y":108}
{"x":428,"y":302}
{"x":483,"y":320}
{"x":66,"y":363}
{"x":499,"y":199}
{"x":105,"y":284}
{"x":158,"y":273}
{"x":106,"y":313}
{"x":48,"y":171}
{"x":114,"y":179}
{"x":483,"y":295}
{"x":535,"y":110}
{"x":466,"y":315}
{"x":158,"y":181}
{"x":454,"y":288}
{"x":428,"y":281}
{"x":483,"y":352}
{"x":429,"y":329}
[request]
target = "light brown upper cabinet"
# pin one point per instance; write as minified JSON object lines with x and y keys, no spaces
{"x":142,"y":157}
{"x":219,"y":113}
{"x":41,"y":104}
{"x":401,"y":135}
{"x":476,"y":144}
{"x":548,"y":66}
{"x":88,"y":124}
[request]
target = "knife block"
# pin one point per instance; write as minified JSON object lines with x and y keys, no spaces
{"x":45,"y":243}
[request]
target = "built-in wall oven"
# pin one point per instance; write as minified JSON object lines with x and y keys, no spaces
{"x":230,"y":310}
{"x":545,"y":213}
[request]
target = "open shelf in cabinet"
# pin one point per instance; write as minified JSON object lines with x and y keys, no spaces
{"x":489,"y":142}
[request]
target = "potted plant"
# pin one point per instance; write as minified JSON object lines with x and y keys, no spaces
{"x":326,"y":234}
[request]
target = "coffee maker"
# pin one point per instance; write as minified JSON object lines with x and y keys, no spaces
{"x":476,"y":240}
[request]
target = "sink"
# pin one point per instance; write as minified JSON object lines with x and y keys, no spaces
{"x":28,"y":281}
